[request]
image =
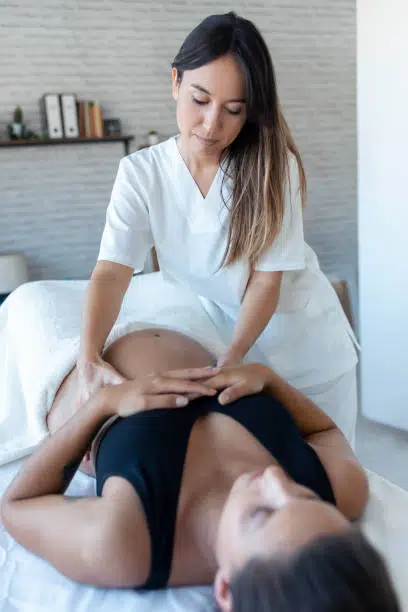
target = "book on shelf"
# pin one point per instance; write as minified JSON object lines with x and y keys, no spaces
{"x":92,"y":123}
{"x":81,"y":118}
{"x":98,"y":119}
{"x":90,"y":119}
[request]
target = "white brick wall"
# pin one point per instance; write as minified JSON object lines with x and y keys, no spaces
{"x":53,"y":199}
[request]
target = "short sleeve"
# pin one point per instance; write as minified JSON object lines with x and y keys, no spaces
{"x":127,"y":235}
{"x":287,"y":251}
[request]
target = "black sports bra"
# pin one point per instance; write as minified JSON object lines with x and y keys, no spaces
{"x":148,"y":449}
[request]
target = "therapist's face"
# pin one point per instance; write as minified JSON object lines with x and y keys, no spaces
{"x":211,"y":109}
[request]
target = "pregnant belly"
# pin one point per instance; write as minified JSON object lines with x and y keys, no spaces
{"x":138,"y":353}
{"x":156,"y":350}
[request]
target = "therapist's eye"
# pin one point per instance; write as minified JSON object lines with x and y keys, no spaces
{"x":234,"y":111}
{"x":200,"y":102}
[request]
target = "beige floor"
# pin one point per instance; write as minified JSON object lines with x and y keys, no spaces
{"x":383,"y":450}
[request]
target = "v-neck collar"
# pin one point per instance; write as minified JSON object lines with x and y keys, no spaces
{"x":190,"y":177}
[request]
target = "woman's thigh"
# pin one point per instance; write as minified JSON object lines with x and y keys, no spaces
{"x":339,"y":400}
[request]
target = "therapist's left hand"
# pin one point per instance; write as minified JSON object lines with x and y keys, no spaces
{"x":239,"y":381}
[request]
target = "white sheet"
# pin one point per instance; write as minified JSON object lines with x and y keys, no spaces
{"x":29,"y":584}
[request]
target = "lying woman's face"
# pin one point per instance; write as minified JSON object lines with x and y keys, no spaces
{"x":268,"y":513}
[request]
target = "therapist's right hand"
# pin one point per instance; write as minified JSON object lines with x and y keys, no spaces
{"x":92,"y":375}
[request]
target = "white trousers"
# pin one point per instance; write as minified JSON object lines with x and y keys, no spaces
{"x":338,"y":399}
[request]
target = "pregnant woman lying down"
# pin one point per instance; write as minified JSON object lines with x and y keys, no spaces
{"x":203,"y":475}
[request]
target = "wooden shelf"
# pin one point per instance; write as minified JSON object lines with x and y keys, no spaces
{"x":37,"y":142}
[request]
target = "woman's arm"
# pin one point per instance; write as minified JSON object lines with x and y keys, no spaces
{"x":245,"y":379}
{"x":79,"y":536}
{"x":347,"y":477}
{"x":259,"y":303}
{"x":50,"y":470}
{"x":103,"y":300}
{"x":37,"y":515}
{"x":106,"y":289}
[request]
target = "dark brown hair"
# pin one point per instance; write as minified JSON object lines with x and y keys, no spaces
{"x":259,"y":158}
{"x":336,"y":573}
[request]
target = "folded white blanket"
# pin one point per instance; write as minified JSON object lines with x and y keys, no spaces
{"x":39,"y":342}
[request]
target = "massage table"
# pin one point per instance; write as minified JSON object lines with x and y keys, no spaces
{"x":39,"y":339}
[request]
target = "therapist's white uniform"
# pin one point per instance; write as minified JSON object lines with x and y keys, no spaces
{"x":156,"y":202}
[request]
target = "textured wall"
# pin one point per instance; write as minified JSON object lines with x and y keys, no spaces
{"x":53,"y":199}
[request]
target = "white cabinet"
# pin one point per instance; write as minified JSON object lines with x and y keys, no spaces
{"x":382,"y":100}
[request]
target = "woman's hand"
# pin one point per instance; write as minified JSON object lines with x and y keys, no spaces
{"x":92,"y":375}
{"x":233,"y":356}
{"x":166,"y":390}
{"x":239,"y":381}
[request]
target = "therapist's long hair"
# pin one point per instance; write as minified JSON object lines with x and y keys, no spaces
{"x":258,"y":160}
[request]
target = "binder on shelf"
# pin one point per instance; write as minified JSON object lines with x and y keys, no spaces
{"x":51,"y":120}
{"x":81,"y":118}
{"x":69,"y":115}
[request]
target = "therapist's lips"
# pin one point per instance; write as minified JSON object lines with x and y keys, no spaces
{"x":207,"y":141}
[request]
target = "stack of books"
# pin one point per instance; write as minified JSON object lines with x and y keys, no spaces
{"x":90,"y":119}
{"x":63,"y":116}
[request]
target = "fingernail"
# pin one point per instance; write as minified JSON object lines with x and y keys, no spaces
{"x":181,"y":401}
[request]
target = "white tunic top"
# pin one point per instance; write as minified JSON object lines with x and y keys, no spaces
{"x":156,"y":202}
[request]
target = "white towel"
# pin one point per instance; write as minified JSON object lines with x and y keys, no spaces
{"x":39,"y":341}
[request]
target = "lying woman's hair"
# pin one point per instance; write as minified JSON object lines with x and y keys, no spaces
{"x":258,"y":159}
{"x":336,"y":573}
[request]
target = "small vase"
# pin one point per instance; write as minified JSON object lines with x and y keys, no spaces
{"x":152,"y":138}
{"x":17,"y":129}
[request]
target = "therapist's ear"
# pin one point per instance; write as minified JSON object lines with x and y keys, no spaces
{"x":175,"y":83}
{"x":222,"y":591}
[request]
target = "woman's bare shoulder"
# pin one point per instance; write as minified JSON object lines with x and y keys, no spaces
{"x":127,"y":535}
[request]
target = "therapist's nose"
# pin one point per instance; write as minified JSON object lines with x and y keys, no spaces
{"x":212,"y":121}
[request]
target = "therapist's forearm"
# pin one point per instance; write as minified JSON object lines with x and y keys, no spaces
{"x":259,"y":304}
{"x":103,"y":300}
